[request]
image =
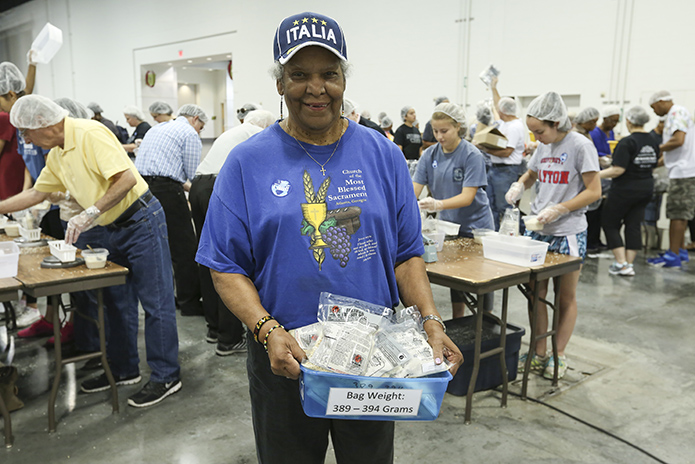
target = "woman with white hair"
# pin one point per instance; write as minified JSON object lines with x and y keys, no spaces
{"x":566,"y":166}
{"x":135,"y":117}
{"x":634,"y":158}
{"x":454,"y":172}
{"x":408,"y":138}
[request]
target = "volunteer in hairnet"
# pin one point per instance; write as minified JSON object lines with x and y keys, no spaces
{"x":586,"y":121}
{"x":87,"y":160}
{"x":566,"y":165}
{"x":161,"y":111}
{"x":135,"y":117}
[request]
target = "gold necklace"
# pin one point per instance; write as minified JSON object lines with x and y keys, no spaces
{"x":323,"y":169}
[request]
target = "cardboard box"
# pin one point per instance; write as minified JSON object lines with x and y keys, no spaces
{"x":489,"y":137}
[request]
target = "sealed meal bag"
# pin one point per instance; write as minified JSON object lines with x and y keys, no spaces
{"x":348,"y":331}
{"x":510,"y":222}
{"x":388,"y":353}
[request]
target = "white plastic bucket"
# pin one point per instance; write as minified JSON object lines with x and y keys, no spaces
{"x":47,"y":43}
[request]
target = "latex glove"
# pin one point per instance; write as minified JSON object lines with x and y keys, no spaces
{"x":516,"y":190}
{"x":430,"y":205}
{"x":552,"y":213}
{"x":80,"y":223}
{"x":31,"y":58}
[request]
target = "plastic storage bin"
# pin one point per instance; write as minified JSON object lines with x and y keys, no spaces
{"x":47,"y":43}
{"x":462,"y":332}
{"x":515,"y":250}
{"x":9,"y":259}
{"x":95,"y":258}
{"x":328,"y":395}
{"x":437,"y":237}
{"x":11,"y":229}
{"x":478,"y":234}
{"x":61,"y":250}
{"x":31,"y":235}
{"x":449,"y":228}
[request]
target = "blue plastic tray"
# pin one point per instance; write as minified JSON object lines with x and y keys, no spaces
{"x":315,"y":389}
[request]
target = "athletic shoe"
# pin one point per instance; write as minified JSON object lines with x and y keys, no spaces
{"x":101,"y":383}
{"x":92,"y":365}
{"x":67,"y":335}
{"x":26,"y":315}
{"x":624,"y":269}
{"x":537,"y":363}
{"x":224,"y":349}
{"x":154,"y":392}
{"x":40,"y":328}
{"x":683,"y":255}
{"x":212,"y":335}
{"x":550,"y":367}
{"x":668,"y":259}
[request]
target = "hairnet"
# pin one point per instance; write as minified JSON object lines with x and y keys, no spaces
{"x":260,"y":118}
{"x":193,"y":111}
{"x":160,"y":107}
{"x":244,"y":110}
{"x":349,"y":106}
{"x":75,"y":109}
{"x":507,"y":106}
{"x":610,"y":111}
{"x":95,"y":108}
{"x":662,"y":95}
{"x":381,"y":116}
{"x":441,"y":99}
{"x":586,"y":115}
{"x":404,"y":111}
{"x":484,"y":114}
{"x":386,"y":122}
{"x":11,"y":78}
{"x":452,"y":110}
{"x":131,"y":110}
{"x":637,"y":116}
{"x":36,"y":112}
{"x":550,"y":107}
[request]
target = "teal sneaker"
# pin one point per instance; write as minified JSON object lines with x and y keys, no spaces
{"x":550,"y":367}
{"x":537,"y":363}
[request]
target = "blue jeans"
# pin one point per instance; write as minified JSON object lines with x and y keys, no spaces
{"x":142,"y":246}
{"x":499,"y":178}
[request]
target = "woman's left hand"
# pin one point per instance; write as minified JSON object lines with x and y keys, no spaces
{"x":430,"y":205}
{"x":552,"y":214}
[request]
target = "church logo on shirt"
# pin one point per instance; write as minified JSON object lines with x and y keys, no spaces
{"x":458,"y":174}
{"x":281,"y":188}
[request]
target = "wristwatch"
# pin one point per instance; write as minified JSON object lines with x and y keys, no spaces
{"x":434,"y":317}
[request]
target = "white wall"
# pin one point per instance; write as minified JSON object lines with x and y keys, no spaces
{"x":405,"y":53}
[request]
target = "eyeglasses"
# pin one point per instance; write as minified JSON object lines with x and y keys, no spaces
{"x":22,"y":132}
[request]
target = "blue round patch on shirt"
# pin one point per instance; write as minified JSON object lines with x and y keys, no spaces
{"x":563,"y":158}
{"x":281,"y":188}
{"x":434,"y":164}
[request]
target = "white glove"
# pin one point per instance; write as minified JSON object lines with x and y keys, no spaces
{"x":31,"y":58}
{"x":552,"y":213}
{"x":516,"y":190}
{"x":430,"y":205}
{"x":80,"y":223}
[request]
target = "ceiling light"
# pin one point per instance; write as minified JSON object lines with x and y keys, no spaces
{"x":209,"y":59}
{"x":190,"y":61}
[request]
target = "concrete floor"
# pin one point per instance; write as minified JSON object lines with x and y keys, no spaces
{"x":632,"y":374}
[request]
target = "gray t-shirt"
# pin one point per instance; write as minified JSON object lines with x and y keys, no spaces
{"x":560,"y":167}
{"x":446,"y":174}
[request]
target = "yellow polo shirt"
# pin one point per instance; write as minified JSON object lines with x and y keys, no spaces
{"x":90,"y":156}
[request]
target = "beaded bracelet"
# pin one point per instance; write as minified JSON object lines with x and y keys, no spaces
{"x":259,"y":324}
{"x":265,"y":340}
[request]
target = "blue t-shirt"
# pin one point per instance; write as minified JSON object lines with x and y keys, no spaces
{"x":34,"y":156}
{"x":601,"y":141}
{"x":270,"y":197}
{"x":446,"y":174}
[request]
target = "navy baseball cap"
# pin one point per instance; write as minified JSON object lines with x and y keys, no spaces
{"x":304,"y":29}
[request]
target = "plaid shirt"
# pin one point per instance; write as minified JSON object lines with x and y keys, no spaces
{"x":170,"y":149}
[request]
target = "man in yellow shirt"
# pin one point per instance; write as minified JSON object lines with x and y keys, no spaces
{"x":87,"y":160}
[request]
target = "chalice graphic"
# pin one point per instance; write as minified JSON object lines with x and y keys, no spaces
{"x":315,"y":214}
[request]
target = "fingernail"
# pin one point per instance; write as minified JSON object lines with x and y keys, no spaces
{"x":438,"y":361}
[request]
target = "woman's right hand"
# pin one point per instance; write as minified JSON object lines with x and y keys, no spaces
{"x":284,"y":354}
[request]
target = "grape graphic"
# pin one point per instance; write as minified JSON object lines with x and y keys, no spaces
{"x":338,"y":240}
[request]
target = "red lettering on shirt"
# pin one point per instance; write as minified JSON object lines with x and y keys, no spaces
{"x":554,"y":177}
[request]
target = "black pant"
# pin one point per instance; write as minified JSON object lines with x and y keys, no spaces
{"x":284,"y":434}
{"x":624,"y":207}
{"x":593,"y":232}
{"x":182,"y":241}
{"x":217,"y":316}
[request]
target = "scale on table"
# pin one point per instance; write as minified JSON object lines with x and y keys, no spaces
{"x":26,"y":243}
{"x":51,"y":262}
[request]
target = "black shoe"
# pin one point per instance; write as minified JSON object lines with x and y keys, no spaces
{"x":224,"y":349}
{"x":92,"y":365}
{"x":154,"y":392}
{"x":101,"y":383}
{"x":212,"y":335}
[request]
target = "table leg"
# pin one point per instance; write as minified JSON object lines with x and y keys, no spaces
{"x":503,"y":346}
{"x":476,"y":358}
{"x":102,"y":347}
{"x":55,"y":299}
{"x":556,"y":323}
{"x":533,"y":317}
{"x":8,"y":424}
